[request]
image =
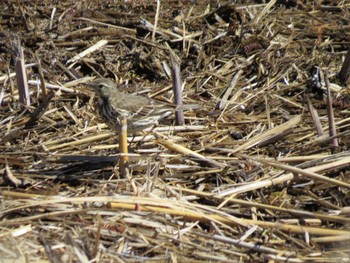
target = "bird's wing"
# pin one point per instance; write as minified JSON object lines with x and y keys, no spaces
{"x":154,"y":109}
{"x":132,"y":104}
{"x":143,"y":107}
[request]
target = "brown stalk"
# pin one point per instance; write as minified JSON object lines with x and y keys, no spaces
{"x":21,"y":75}
{"x":177,"y":88}
{"x":41,"y":75}
{"x":188,"y":153}
{"x":344,"y":73}
{"x":40,"y":110}
{"x":315,"y":117}
{"x":330,"y":112}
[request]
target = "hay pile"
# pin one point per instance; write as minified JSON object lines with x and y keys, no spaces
{"x":259,"y":173}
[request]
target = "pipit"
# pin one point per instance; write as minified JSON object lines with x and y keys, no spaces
{"x":140,"y":112}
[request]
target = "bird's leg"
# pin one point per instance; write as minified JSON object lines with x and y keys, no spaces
{"x":123,"y":147}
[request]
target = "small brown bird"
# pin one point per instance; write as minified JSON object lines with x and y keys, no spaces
{"x":140,"y":112}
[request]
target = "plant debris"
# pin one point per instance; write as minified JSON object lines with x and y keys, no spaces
{"x":260,"y":172}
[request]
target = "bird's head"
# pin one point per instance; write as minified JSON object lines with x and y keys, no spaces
{"x":103,"y":87}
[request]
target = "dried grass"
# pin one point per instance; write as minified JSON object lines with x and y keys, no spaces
{"x":255,"y":175}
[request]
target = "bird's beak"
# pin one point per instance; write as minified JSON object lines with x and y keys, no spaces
{"x":90,"y":85}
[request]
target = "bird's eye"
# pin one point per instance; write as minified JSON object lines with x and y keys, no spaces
{"x":100,"y":86}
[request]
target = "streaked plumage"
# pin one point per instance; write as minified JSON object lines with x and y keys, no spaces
{"x":140,"y":112}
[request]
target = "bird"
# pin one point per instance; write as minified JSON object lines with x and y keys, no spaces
{"x":140,"y":112}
